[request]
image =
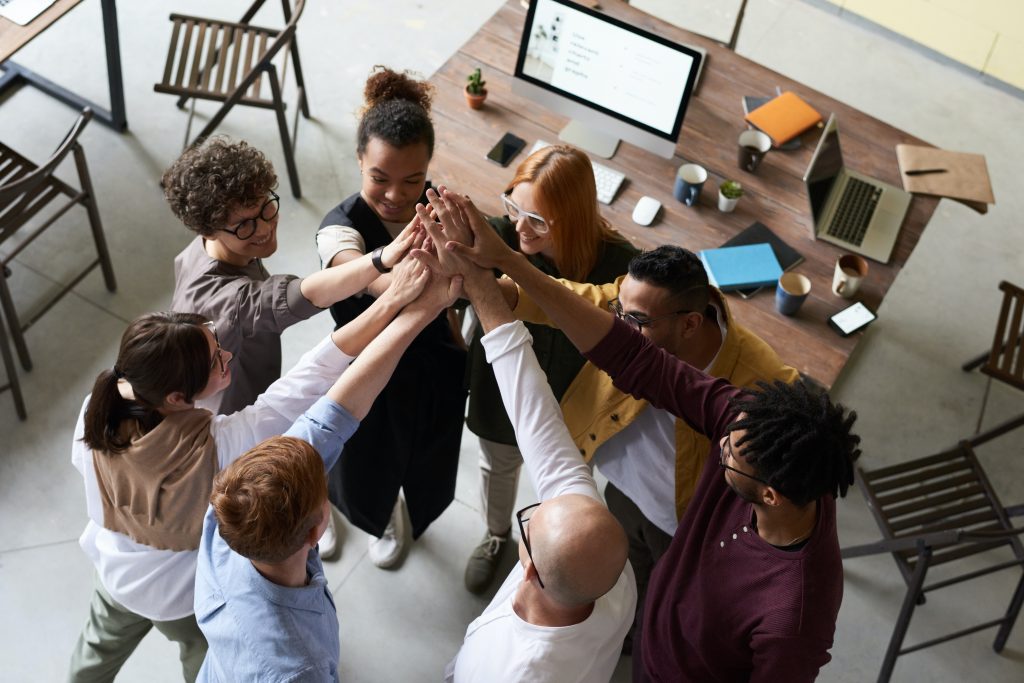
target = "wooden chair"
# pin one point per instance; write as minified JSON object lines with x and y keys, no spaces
{"x":25,"y":191}
{"x":933,"y":511}
{"x":230,"y":62}
{"x":1005,"y":361}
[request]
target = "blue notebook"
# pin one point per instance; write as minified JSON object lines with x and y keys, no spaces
{"x":751,"y":265}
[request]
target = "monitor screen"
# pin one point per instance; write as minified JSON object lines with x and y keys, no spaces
{"x":824,"y":168}
{"x":604,"y":64}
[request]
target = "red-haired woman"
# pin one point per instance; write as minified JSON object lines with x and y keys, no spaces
{"x":552,"y":217}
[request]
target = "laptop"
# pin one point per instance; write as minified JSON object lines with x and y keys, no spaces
{"x":23,"y":11}
{"x":850,"y":209}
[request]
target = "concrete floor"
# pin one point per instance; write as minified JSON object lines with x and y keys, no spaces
{"x":904,"y":381}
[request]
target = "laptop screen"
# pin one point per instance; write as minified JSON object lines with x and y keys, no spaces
{"x":824,"y":168}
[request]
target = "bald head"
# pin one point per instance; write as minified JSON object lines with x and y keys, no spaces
{"x":578,"y":547}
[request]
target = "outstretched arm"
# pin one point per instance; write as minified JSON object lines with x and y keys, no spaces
{"x":358,"y":387}
{"x":339,"y":282}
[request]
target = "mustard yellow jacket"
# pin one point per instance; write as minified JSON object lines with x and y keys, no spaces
{"x":595,"y":410}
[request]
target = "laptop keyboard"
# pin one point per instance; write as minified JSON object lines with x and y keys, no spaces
{"x":856,"y":207}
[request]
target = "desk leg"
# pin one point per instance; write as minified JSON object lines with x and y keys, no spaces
{"x":115,"y":117}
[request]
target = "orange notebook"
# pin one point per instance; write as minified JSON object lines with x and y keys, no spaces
{"x":784,"y":117}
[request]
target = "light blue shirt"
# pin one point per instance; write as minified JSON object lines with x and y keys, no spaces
{"x":256,"y":629}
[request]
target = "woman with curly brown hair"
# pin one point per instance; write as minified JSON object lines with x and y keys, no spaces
{"x":224,"y":191}
{"x":410,"y":439}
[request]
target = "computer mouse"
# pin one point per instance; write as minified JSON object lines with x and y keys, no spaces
{"x":646,"y":210}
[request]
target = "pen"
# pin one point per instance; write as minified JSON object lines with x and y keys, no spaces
{"x":926,"y":171}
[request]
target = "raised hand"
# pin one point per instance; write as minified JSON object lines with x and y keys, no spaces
{"x":440,"y":293}
{"x":486,"y":248}
{"x":408,"y":280}
{"x":411,"y":237}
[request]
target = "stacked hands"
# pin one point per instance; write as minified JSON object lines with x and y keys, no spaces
{"x":459,"y":243}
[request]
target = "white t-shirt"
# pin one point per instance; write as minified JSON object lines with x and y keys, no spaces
{"x":500,"y":646}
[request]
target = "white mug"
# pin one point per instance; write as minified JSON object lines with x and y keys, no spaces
{"x":850,"y":272}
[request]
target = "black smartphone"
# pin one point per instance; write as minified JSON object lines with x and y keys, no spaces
{"x":852,"y":319}
{"x":507,"y":148}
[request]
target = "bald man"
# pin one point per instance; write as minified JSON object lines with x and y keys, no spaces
{"x":564,"y":610}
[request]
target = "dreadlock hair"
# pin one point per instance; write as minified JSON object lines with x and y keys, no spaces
{"x":797,"y":440}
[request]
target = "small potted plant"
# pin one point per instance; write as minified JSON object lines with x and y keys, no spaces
{"x":729,"y":192}
{"x":476,"y":93}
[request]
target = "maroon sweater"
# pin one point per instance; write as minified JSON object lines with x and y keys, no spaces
{"x":722,"y":604}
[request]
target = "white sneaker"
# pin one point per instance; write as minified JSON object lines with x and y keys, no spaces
{"x":328,"y":546}
{"x":386,"y":551}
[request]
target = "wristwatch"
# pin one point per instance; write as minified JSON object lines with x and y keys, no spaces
{"x":375,"y":257}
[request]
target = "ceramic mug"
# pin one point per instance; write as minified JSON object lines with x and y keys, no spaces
{"x":689,"y":182}
{"x":791,"y":292}
{"x":850,"y":272}
{"x":753,"y":145}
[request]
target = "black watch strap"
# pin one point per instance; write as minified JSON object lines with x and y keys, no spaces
{"x":375,"y":257}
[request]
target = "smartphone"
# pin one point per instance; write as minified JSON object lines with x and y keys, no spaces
{"x":507,"y":148}
{"x":852,"y":319}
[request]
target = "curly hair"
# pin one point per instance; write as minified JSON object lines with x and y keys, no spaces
{"x":213,"y":177}
{"x":797,"y":440}
{"x":268,"y":500}
{"x":397,"y":111}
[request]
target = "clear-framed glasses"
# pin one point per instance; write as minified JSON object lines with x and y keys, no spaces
{"x":523,"y":517}
{"x":218,"y":353}
{"x":535,"y":221}
{"x":247,"y":228}
{"x":731,"y":454}
{"x":637,"y":322}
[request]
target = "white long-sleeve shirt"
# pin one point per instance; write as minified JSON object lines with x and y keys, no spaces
{"x":159,"y":584}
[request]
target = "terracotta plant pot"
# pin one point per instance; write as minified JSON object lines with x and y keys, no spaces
{"x":476,"y":101}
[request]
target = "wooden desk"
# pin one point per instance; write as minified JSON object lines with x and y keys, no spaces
{"x":775,"y":195}
{"x":13,"y":37}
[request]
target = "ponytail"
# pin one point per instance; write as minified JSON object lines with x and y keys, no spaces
{"x":106,"y":412}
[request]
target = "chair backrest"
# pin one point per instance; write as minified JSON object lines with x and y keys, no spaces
{"x":1006,"y":359}
{"x":23,"y":184}
{"x":943,"y":492}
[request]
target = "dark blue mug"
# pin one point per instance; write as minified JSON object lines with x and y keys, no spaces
{"x":791,"y":292}
{"x":689,"y":182}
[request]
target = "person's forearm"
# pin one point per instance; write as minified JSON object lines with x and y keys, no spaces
{"x":582,"y":322}
{"x":353,"y":337}
{"x":330,"y":285}
{"x":488,"y":299}
{"x":357,"y":389}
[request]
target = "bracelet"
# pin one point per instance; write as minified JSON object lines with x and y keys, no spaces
{"x":378,"y":263}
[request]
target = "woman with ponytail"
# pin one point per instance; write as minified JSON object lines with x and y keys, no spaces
{"x":410,"y":440}
{"x":149,"y":455}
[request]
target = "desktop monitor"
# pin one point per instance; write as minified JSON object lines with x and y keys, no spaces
{"x":614,"y":80}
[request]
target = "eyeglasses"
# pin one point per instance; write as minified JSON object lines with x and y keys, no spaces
{"x":635,"y":322}
{"x":535,"y":221}
{"x":526,"y":539}
{"x":218,"y":354}
{"x":247,"y":228}
{"x":732,"y":454}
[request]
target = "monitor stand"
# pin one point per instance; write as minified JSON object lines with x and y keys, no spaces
{"x":587,"y":138}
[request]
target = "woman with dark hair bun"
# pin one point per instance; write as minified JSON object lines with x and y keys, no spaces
{"x":148,"y":456}
{"x":410,"y":440}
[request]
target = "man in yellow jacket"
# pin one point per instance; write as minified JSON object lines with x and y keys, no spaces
{"x":652,"y":460}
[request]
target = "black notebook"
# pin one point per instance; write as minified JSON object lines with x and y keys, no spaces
{"x":758,"y":233}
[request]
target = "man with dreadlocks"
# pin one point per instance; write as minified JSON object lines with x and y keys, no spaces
{"x":750,"y":587}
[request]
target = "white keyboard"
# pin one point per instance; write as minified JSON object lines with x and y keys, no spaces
{"x":608,"y":180}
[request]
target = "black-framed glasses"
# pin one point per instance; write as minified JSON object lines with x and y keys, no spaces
{"x":638,"y":323}
{"x":537,"y":222}
{"x":218,"y":353}
{"x":723,"y":456}
{"x":247,"y":228}
{"x":523,"y":517}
